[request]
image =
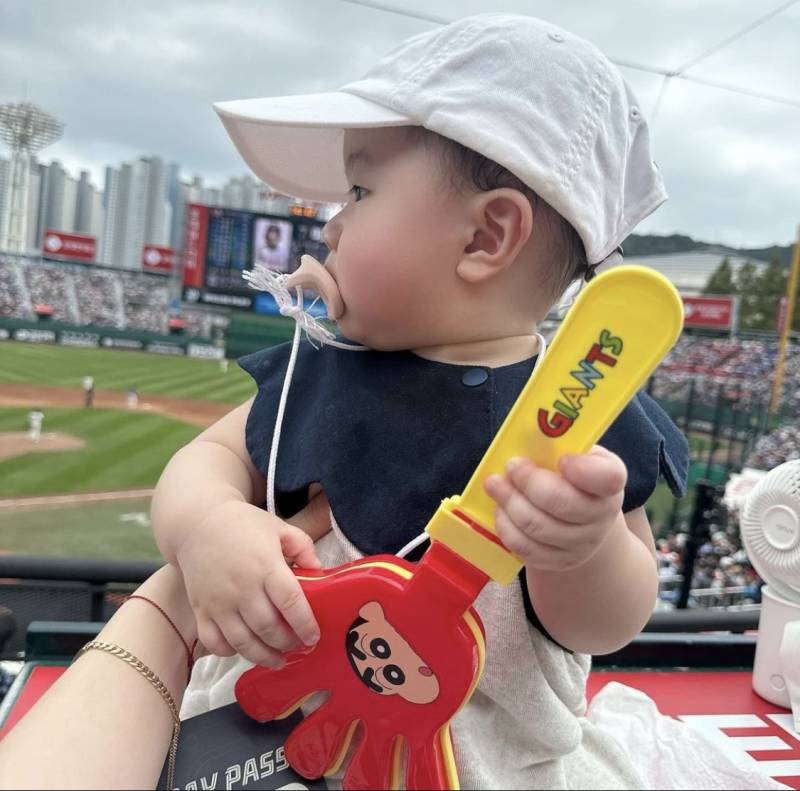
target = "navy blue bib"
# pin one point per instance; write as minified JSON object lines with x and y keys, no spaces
{"x":390,"y":434}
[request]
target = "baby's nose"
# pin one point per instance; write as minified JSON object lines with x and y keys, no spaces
{"x":331,"y":233}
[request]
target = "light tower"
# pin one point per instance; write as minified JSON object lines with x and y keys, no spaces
{"x":27,"y":129}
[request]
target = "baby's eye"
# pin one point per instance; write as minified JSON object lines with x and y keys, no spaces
{"x":357,"y":192}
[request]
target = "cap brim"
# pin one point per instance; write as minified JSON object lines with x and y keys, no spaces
{"x":294,"y":143}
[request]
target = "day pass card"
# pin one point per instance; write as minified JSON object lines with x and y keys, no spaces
{"x":226,"y":749}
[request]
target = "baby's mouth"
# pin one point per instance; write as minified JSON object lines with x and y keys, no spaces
{"x":313,"y":274}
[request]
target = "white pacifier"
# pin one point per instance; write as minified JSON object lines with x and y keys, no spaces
{"x":311,"y":274}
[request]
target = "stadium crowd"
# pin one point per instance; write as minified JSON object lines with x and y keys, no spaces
{"x":96,"y":302}
{"x":722,"y":574}
{"x":12,"y":301}
{"x":775,"y":448}
{"x":144,"y":302}
{"x":54,"y":288}
{"x":82,"y":295}
{"x":743,"y":368}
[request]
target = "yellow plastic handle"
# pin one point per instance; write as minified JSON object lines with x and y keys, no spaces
{"x":619,"y":329}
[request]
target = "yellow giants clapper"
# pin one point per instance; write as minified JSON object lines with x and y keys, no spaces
{"x":621,"y":326}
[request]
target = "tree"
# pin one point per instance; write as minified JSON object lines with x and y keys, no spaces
{"x":721,"y":282}
{"x":796,"y":317}
{"x":771,"y":287}
{"x":747,"y":287}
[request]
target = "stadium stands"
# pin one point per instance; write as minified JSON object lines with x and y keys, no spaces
{"x":98,"y":299}
{"x":722,"y":574}
{"x":775,"y":448}
{"x":14,"y":300}
{"x":93,"y":296}
{"x":145,"y":302}
{"x":135,"y":300}
{"x":744,"y":368}
{"x":54,"y":287}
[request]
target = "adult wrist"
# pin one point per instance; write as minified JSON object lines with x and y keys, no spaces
{"x":166,"y":589}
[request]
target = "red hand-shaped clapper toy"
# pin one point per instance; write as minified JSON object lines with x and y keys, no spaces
{"x":389,"y":660}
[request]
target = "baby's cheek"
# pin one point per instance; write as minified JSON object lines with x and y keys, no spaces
{"x":355,"y":278}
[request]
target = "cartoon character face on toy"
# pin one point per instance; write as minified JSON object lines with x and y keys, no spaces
{"x":369,"y":659}
{"x":384,"y":660}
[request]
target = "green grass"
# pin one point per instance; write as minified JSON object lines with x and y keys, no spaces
{"x":118,"y":530}
{"x":112,"y":369}
{"x":660,"y":506}
{"x":122,"y":451}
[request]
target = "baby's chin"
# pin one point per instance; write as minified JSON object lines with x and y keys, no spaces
{"x":379,"y":339}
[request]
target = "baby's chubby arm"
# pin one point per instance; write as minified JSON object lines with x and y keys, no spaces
{"x":591,"y":569}
{"x":232,"y":554}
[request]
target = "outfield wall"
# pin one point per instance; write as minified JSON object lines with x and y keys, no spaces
{"x":88,"y":337}
{"x":249,"y":332}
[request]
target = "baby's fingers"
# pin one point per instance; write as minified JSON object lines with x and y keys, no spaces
{"x":210,"y":636}
{"x":261,"y":617}
{"x":235,"y":637}
{"x":246,"y":642}
{"x":598,"y":472}
{"x":298,"y":548}
{"x":284,"y":591}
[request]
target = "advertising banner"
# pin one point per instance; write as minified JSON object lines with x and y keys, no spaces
{"x":158,"y":259}
{"x":194,"y":245}
{"x":77,"y":246}
{"x":68,"y":335}
{"x":716,"y":313}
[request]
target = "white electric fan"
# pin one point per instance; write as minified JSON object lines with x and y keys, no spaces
{"x":770,"y":527}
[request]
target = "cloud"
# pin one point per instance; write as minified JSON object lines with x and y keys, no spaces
{"x":139,"y":79}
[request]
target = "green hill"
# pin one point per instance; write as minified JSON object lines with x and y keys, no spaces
{"x":651,"y":244}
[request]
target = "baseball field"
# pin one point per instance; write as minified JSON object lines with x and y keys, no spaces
{"x":83,"y":488}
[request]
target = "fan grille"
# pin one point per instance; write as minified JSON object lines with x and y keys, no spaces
{"x":779,"y":568}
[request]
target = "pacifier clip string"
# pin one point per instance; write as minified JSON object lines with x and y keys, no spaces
{"x":278,"y":284}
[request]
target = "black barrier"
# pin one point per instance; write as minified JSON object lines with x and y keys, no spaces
{"x":98,"y":572}
{"x":8,"y":625}
{"x":683,"y":651}
{"x":37,"y":588}
{"x":76,"y":589}
{"x":703,"y":620}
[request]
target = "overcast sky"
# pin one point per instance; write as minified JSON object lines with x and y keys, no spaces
{"x":132,"y":79}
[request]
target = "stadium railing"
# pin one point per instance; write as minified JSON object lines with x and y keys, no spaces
{"x":38,"y":588}
{"x":52,"y":589}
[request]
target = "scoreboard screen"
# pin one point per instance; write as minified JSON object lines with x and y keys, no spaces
{"x":220,"y":244}
{"x":228,"y":249}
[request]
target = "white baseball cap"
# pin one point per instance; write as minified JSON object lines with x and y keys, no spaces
{"x":542,"y":102}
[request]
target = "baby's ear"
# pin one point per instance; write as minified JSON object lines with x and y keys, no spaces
{"x":502,"y":223}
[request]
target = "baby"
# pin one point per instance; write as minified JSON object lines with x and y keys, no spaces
{"x":484,"y":166}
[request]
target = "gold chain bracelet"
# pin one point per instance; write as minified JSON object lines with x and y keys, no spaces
{"x":155,"y":681}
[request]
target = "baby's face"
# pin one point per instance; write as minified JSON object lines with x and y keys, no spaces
{"x":395,"y":245}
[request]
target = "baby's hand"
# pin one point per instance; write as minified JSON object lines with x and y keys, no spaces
{"x":244,"y":595}
{"x":557,"y":522}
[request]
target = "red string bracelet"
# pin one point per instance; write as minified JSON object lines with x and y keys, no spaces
{"x":189,"y":651}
